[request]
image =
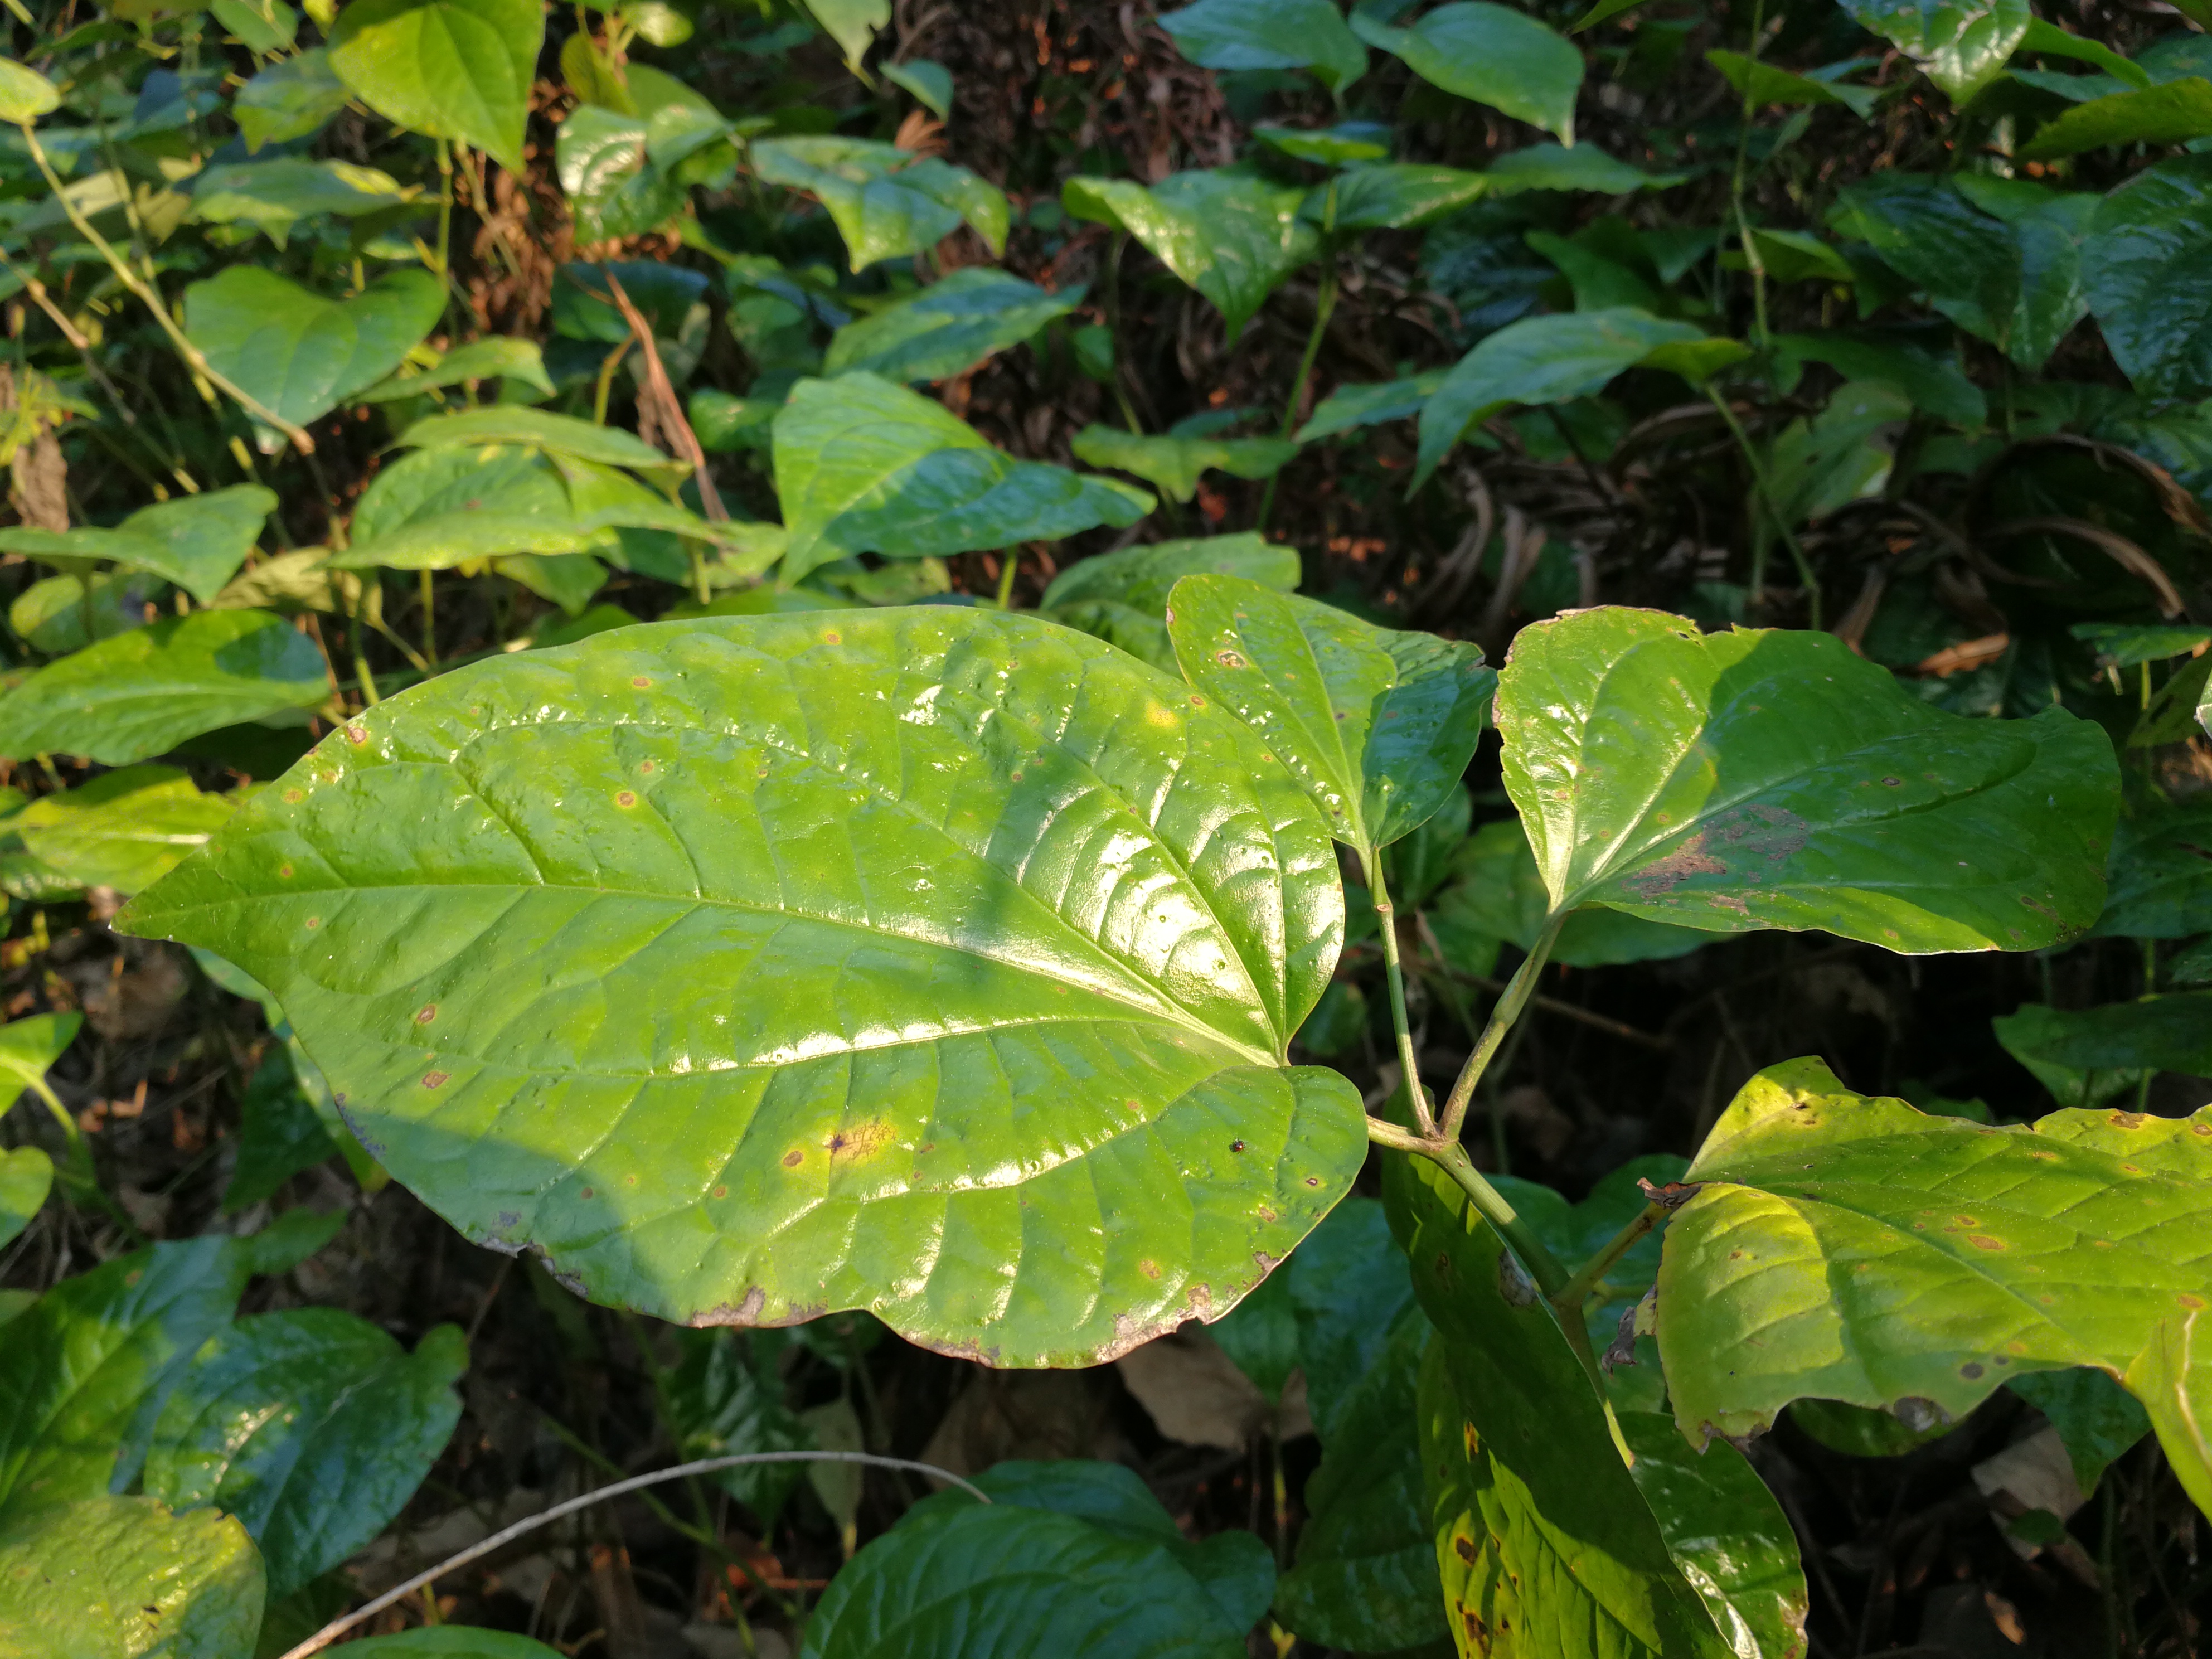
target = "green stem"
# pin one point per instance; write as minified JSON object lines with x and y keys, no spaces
{"x":1578,"y":1290}
{"x":195,"y":359}
{"x":1765,"y":495}
{"x":1514,"y":998}
{"x":1009,"y":561}
{"x":1491,"y":1204}
{"x":429,"y":588}
{"x":445,"y":207}
{"x":1395,"y":974}
{"x":1750,"y":255}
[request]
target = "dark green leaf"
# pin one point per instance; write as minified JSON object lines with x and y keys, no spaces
{"x":2149,"y":268}
{"x":312,"y":1426}
{"x":2097,"y":1418}
{"x":1585,"y":166}
{"x":279,"y":1134}
{"x":122,"y":1577}
{"x":1936,"y":384}
{"x":2160,"y":878}
{"x":887,"y":203}
{"x":1172,"y":466}
{"x":1376,"y":726}
{"x":723,"y":1395}
{"x":448,"y":68}
{"x":1962,"y":45}
{"x":1823,"y":462}
{"x":1269,"y":35}
{"x":948,"y":327}
{"x":1767,"y":84}
{"x":1420,"y":862}
{"x":1346,"y":142}
{"x":452,"y":1642}
{"x":2024,"y":1034}
{"x":2157,"y":1033}
{"x":1394,"y":196}
{"x":811,"y":1147}
{"x":271,"y":195}
{"x":1122,"y":597}
{"x":1503,"y":58}
{"x":1350,"y":407}
{"x":299,"y":353}
{"x":866,"y":466}
{"x":930,"y":83}
{"x":2123,"y":645}
{"x":1232,"y":234}
{"x":2168,"y":114}
{"x":1753,"y":779}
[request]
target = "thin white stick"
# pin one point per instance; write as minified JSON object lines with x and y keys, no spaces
{"x":339,"y":1626}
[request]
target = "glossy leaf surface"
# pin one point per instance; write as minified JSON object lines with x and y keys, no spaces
{"x":312,"y":1426}
{"x":122,"y":1577}
{"x":1172,"y":466}
{"x":1269,"y":35}
{"x":300,"y":354}
{"x":1232,"y":234}
{"x":1399,"y":196}
{"x":2149,"y":269}
{"x":1856,"y":1249}
{"x":933,"y":1023}
{"x":447,"y":69}
{"x":866,"y":466}
{"x":124,"y":829}
{"x":1729,"y":782}
{"x":887,"y":203}
{"x":725,"y":1394}
{"x":1122,"y":597}
{"x":1376,"y":726}
{"x":1962,"y":45}
{"x":1494,"y":56}
{"x":949,"y":327}
{"x":143,"y":692}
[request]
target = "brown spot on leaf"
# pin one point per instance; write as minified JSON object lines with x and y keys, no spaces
{"x":1970,"y":1371}
{"x":626,"y":798}
{"x":1229,"y":659}
{"x":1984,"y":1242}
{"x":862,"y":1141}
{"x":2127,"y":1120}
{"x":640,"y":681}
{"x":426,"y":1014}
{"x":434,"y":1079}
{"x":1689,"y":859}
{"x":1150,"y":1268}
{"x":794,"y":1158}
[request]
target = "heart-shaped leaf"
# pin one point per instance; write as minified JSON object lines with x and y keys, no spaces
{"x":312,"y":1426}
{"x":1376,"y":726}
{"x":447,"y":69}
{"x":613,"y":186}
{"x":1172,"y":464}
{"x":1764,"y":778}
{"x":1067,"y":1094}
{"x":197,"y":542}
{"x":1231,"y":234}
{"x":1269,"y":35}
{"x":1967,"y":1253}
{"x":27,"y":1175}
{"x":125,"y":829}
{"x":116,"y":1577}
{"x":1962,"y":45}
{"x":887,"y":203}
{"x":866,"y":466}
{"x":1122,"y":597}
{"x":1492,"y":55}
{"x":1540,"y":359}
{"x":298,"y":353}
{"x":2147,"y":263}
{"x":852,"y":24}
{"x":444,"y":505}
{"x":948,"y":327}
{"x":144,"y":692}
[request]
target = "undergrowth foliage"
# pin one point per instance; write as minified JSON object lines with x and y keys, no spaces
{"x":874,"y":682}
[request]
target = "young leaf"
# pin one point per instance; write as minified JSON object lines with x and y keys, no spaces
{"x":1122,"y":597}
{"x":1492,"y":55}
{"x":447,"y":69}
{"x":1341,"y":145}
{"x":144,"y":692}
{"x":2169,"y":114}
{"x":494,"y":357}
{"x":2149,"y":268}
{"x":852,"y":25}
{"x":27,"y":1175}
{"x":291,"y":98}
{"x":1231,"y":234}
{"x":125,"y":829}
{"x":866,"y":466}
{"x":312,"y":1426}
{"x":1172,"y":464}
{"x":887,"y":203}
{"x":948,"y":327}
{"x":1269,"y":35}
{"x":1969,"y":1252}
{"x":561,"y":435}
{"x":116,"y":1577}
{"x":1760,"y":778}
{"x":785,"y":803}
{"x":613,"y":186}
{"x":1767,"y":85}
{"x":1376,"y":726}
{"x":1540,"y":360}
{"x":930,"y":83}
{"x":1935,"y":384}
{"x":1962,"y":45}
{"x":301,"y":354}
{"x":1585,"y":166}
{"x":723,"y":1395}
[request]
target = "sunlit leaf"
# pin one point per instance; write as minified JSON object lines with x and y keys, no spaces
{"x":124,"y":829}
{"x":887,"y":203}
{"x":2169,"y":114}
{"x":2147,"y":264}
{"x":1122,"y":597}
{"x":119,"y":1578}
{"x":1230,"y":234}
{"x":448,"y":68}
{"x":1962,"y":45}
{"x":949,"y":327}
{"x":291,"y":98}
{"x":298,"y":353}
{"x":27,"y":1175}
{"x":25,"y":95}
{"x":197,"y":542}
{"x":1395,"y":195}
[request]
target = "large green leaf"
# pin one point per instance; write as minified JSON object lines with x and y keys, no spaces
{"x":1122,"y":597}
{"x":1765,"y":779}
{"x":2157,"y":1033}
{"x":852,"y":24}
{"x":2148,"y":267}
{"x":948,"y":327}
{"x":443,"y":506}
{"x":1852,"y":1249}
{"x":1935,"y":384}
{"x":2024,"y":1033}
{"x":739,"y":966}
{"x":1172,"y":464}
{"x":1543,"y":1541}
{"x":197,"y":542}
{"x":449,"y":68}
{"x":1496,"y":895}
{"x":1495,"y":56}
{"x":2096,"y":1417}
{"x":143,"y":692}
{"x":123,"y":1578}
{"x":1269,"y":35}
{"x":124,"y":829}
{"x":1231,"y":234}
{"x":27,"y":1175}
{"x":1962,"y":45}
{"x":2173,"y":1376}
{"x":312,"y":1426}
{"x":1351,"y":407}
{"x":887,"y":203}
{"x":1376,"y":726}
{"x":1540,"y":359}
{"x":1068,"y":1559}
{"x":866,"y":466}
{"x":2161,"y":873}
{"x":298,"y":353}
